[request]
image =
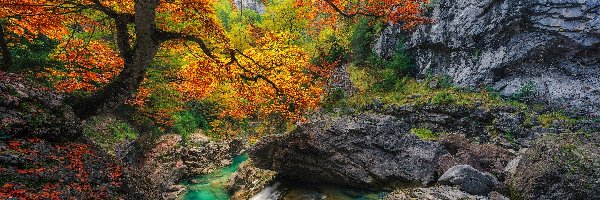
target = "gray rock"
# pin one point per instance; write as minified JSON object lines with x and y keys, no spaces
{"x":255,"y":5}
{"x":442,"y":192}
{"x":469,"y":179}
{"x":364,"y":150}
{"x":565,"y":166}
{"x":511,"y":167}
{"x":551,"y":45}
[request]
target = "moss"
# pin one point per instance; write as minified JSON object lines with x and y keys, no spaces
{"x":548,"y":119}
{"x":424,"y":133}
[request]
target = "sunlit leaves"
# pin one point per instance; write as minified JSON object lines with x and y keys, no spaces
{"x":407,"y":12}
{"x":88,"y":65}
{"x":273,"y":77}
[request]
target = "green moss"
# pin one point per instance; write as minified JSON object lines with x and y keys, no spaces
{"x":547,"y":119}
{"x":424,"y":133}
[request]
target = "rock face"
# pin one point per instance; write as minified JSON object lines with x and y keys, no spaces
{"x":469,"y":180}
{"x":483,"y":157}
{"x":31,"y":110}
{"x":249,"y":181}
{"x":565,"y":166}
{"x":364,"y":150}
{"x":255,"y":5}
{"x":439,"y":193}
{"x":550,"y":46}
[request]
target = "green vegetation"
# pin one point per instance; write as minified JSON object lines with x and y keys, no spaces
{"x":424,"y":133}
{"x":547,"y":119}
{"x":107,"y":131}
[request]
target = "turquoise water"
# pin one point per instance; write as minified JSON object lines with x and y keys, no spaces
{"x":212,"y":186}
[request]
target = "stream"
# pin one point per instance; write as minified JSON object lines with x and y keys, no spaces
{"x":212,"y":187}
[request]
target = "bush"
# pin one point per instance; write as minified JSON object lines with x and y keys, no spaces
{"x":362,"y":36}
{"x":335,"y":99}
{"x":401,"y":62}
{"x":526,"y":93}
{"x":330,"y":52}
{"x":198,"y":115}
{"x":443,"y":97}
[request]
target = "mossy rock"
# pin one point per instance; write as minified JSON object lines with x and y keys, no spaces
{"x":565,"y":166}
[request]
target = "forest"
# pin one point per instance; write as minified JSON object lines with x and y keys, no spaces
{"x":299,"y":99}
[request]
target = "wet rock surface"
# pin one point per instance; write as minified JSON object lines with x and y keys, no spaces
{"x":364,"y":150}
{"x":248,"y":181}
{"x":548,"y":46}
{"x":565,"y":166}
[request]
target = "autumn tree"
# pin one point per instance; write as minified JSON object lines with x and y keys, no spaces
{"x":138,"y":29}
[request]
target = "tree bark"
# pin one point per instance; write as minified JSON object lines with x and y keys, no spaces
{"x":137,"y":61}
{"x":6,"y":56}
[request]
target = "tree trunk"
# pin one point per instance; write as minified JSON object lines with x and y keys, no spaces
{"x":6,"y":57}
{"x":129,"y":80}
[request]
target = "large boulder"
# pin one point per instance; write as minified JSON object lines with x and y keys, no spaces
{"x":563,"y":166}
{"x":469,"y":180}
{"x":362,"y":150}
{"x":545,"y":48}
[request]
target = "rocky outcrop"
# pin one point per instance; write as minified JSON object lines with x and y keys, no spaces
{"x":32,"y":110}
{"x":469,"y":179}
{"x":255,"y":5}
{"x":439,"y":193}
{"x":248,"y":181}
{"x":565,"y":166}
{"x":484,"y":157}
{"x":171,"y":160}
{"x":364,"y":150}
{"x":548,"y":47}
{"x":202,"y":156}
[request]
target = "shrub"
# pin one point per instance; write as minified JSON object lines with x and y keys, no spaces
{"x":526,"y":93}
{"x":443,"y":97}
{"x":401,"y":62}
{"x":335,"y":98}
{"x":362,"y":36}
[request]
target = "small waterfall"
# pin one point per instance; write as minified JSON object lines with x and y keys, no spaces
{"x":269,"y":193}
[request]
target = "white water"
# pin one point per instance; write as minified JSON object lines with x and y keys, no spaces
{"x":269,"y":193}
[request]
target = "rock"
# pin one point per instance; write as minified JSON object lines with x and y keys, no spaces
{"x":340,"y":80}
{"x":484,"y":157}
{"x":442,"y":192}
{"x":469,"y":180}
{"x":248,"y":181}
{"x":255,"y":5}
{"x":538,"y":49}
{"x":565,"y":166}
{"x":33,"y":168}
{"x":363,"y":150}
{"x":511,"y":167}
{"x":32,"y":110}
{"x":159,"y":172}
{"x":174,"y":192}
